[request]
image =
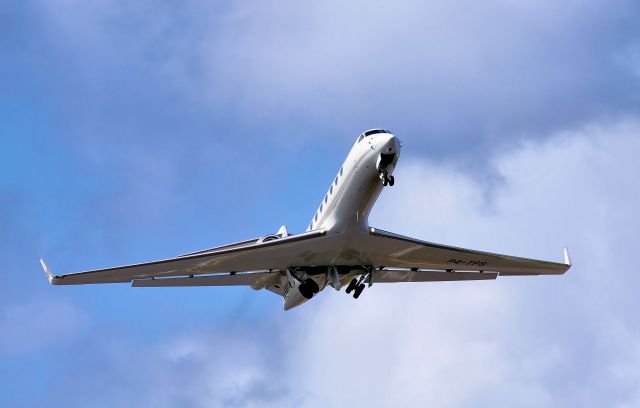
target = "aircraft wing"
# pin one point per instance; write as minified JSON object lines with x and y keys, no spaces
{"x":253,"y":256}
{"x":396,"y":251}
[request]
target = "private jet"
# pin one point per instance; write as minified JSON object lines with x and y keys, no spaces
{"x":338,"y":248}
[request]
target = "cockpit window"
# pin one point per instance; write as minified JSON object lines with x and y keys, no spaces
{"x":375,"y":131}
{"x":372,"y":132}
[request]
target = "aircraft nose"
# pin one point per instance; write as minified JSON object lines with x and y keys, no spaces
{"x":391,"y":145}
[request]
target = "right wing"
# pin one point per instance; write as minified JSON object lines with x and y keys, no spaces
{"x":271,"y":255}
{"x":396,"y":251}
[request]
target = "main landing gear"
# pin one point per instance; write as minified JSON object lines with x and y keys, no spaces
{"x":357,"y":285}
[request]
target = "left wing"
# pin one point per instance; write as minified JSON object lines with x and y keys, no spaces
{"x":256,"y":256}
{"x":396,"y":251}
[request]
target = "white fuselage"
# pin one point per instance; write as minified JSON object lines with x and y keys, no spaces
{"x":346,"y":205}
{"x":357,"y":185}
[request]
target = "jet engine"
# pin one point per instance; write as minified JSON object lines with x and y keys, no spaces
{"x":308,"y":288}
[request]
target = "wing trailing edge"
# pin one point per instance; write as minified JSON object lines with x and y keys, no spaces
{"x":257,"y":280}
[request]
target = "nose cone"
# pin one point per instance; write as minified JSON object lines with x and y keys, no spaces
{"x":391,"y":145}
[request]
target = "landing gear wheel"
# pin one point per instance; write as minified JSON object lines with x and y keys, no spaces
{"x":312,"y":285}
{"x":352,"y":285}
{"x":305,"y":291}
{"x":384,"y":176}
{"x":358,"y":291}
{"x":391,"y":180}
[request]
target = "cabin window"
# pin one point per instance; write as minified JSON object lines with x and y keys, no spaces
{"x":336,"y":181}
{"x":316,"y":217}
{"x":341,"y":168}
{"x":321,"y":207}
{"x":331,"y":190}
{"x":325,"y":198}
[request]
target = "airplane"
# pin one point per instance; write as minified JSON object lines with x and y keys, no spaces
{"x":338,"y":248}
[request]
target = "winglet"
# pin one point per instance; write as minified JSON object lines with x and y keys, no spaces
{"x":567,"y":258}
{"x":47,"y":272}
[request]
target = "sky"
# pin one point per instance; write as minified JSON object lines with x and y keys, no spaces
{"x":133,"y":131}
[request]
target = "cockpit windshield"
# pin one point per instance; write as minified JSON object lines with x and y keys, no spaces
{"x":372,"y":132}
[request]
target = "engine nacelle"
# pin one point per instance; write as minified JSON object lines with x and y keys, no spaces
{"x":308,"y":288}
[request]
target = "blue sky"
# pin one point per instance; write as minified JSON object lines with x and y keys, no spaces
{"x":137,"y":131}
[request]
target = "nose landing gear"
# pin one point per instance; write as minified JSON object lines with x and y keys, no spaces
{"x":387,"y":180}
{"x":384,"y":165}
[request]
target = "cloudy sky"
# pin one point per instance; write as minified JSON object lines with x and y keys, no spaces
{"x":132,"y":131}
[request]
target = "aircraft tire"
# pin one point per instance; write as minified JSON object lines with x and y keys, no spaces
{"x":352,"y":286}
